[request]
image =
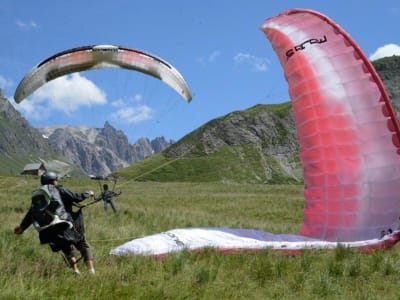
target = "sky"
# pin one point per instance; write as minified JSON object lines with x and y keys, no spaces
{"x":216,"y":45}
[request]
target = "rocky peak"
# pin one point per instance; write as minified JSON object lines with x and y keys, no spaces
{"x":159,"y":144}
{"x":258,"y":126}
{"x":116,"y":141}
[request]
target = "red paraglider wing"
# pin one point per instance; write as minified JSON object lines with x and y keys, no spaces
{"x":348,"y":132}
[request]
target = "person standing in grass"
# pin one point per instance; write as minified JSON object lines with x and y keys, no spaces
{"x":107,"y":195}
{"x":51,"y":214}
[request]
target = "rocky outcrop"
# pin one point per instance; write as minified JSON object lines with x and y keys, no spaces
{"x":257,"y":126}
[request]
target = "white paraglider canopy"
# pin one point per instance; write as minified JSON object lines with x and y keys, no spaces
{"x":101,"y":56}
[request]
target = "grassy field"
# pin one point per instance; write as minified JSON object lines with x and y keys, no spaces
{"x":32,"y":271}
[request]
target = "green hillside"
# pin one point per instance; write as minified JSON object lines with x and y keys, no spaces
{"x":229,"y":164}
{"x":241,"y":164}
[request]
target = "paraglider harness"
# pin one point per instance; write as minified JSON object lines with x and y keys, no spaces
{"x":51,"y":220}
{"x":115,"y":179}
{"x":102,"y":191}
{"x":46,"y":210}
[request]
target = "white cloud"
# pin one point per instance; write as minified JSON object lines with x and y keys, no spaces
{"x":5,"y":83}
{"x":69,"y":93}
{"x":258,"y":63}
{"x":133,"y":114}
{"x":122,"y":103}
{"x":66,"y":94}
{"x":137,"y":98}
{"x":33,"y":110}
{"x":213,"y":56}
{"x":384,"y":51}
{"x":26,"y":25}
{"x":210,"y":58}
{"x":118,"y":103}
{"x":129,"y":113}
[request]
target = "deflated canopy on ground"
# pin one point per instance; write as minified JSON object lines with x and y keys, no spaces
{"x":349,"y":145}
{"x":101,"y":56}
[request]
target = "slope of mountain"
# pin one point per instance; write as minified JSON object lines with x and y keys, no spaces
{"x":257,"y":145}
{"x":21,"y":144}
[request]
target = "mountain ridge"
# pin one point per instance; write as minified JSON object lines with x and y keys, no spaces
{"x":100,"y":151}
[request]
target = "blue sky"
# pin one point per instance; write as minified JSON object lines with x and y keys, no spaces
{"x":215,"y":44}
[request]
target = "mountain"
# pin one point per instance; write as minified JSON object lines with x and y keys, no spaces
{"x":21,"y":144}
{"x":257,"y":145}
{"x":74,"y":150}
{"x":100,"y":151}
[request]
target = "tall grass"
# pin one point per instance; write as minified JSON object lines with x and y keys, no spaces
{"x":32,"y":271}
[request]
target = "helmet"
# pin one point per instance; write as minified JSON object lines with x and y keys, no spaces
{"x":48,"y":177}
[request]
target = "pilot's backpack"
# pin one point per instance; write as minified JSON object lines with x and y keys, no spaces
{"x":47,"y":210}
